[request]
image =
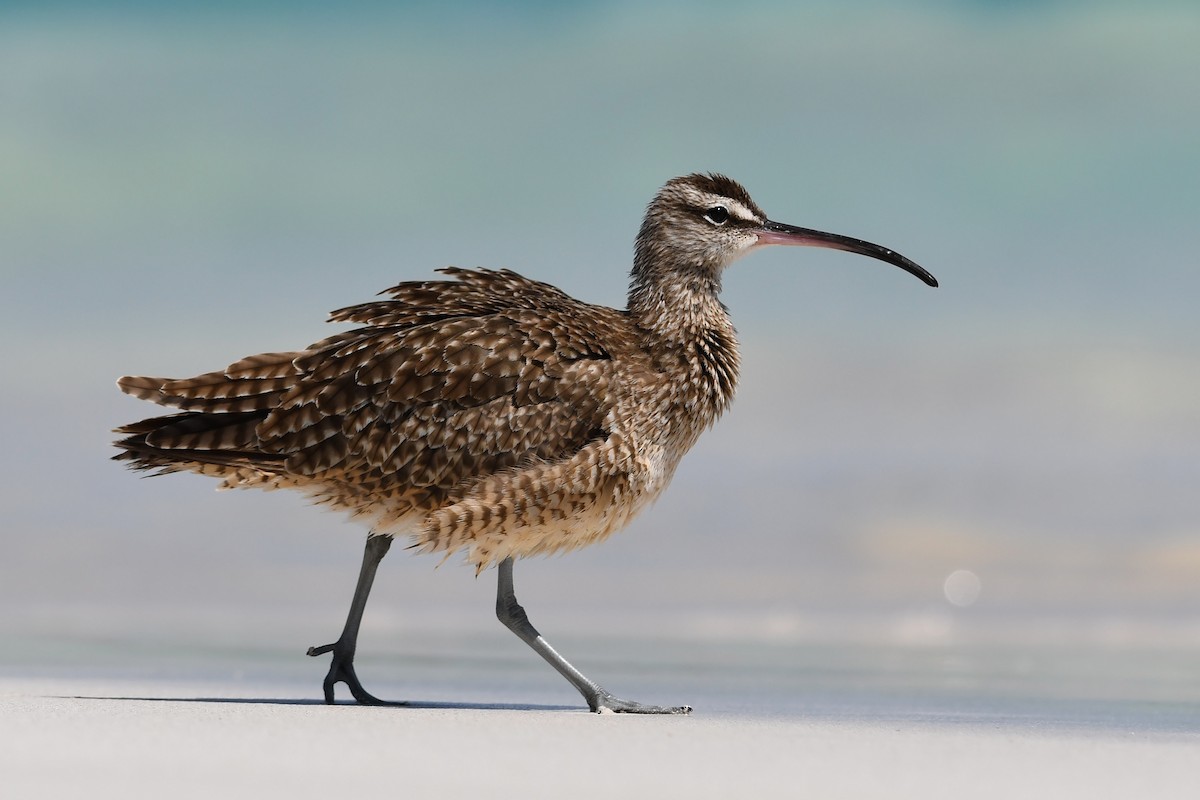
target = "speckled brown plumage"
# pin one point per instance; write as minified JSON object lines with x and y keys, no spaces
{"x":488,"y":413}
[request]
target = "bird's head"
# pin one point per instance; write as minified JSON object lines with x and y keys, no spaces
{"x":702,"y":223}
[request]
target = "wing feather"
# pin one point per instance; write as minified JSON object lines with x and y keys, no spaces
{"x":446,"y":381}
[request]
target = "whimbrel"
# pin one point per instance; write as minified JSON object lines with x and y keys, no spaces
{"x":487,"y":413}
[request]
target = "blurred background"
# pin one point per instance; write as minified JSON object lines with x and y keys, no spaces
{"x":1007,"y":461}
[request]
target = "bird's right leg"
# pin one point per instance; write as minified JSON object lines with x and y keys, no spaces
{"x":598,"y":699}
{"x":342,"y":666}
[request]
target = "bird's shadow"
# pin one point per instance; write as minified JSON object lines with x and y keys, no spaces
{"x":291,"y":701}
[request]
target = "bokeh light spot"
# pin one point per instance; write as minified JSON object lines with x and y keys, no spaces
{"x":962,"y":588}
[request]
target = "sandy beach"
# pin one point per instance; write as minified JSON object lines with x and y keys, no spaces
{"x":110,"y":738}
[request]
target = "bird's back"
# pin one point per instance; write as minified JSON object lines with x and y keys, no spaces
{"x":478,"y":412}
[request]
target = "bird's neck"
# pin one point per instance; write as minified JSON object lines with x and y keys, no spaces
{"x":672,"y":291}
{"x":675,"y":304}
{"x":687,"y":330}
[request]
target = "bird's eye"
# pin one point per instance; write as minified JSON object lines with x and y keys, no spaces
{"x":717,"y":215}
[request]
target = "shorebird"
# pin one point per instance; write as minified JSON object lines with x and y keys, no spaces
{"x":489,"y":414}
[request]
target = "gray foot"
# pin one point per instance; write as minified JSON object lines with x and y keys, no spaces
{"x":605,"y":702}
{"x":341,"y":669}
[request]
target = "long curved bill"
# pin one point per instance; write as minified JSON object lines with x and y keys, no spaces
{"x":778,"y":233}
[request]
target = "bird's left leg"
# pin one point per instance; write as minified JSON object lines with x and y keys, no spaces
{"x":342,"y":667}
{"x":514,"y":618}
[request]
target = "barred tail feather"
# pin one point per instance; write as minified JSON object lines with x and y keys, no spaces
{"x":210,"y":444}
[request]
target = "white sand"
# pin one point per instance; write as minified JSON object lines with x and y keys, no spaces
{"x":95,"y":739}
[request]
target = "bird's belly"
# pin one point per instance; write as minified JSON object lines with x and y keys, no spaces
{"x":550,"y":507}
{"x":540,"y":509}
